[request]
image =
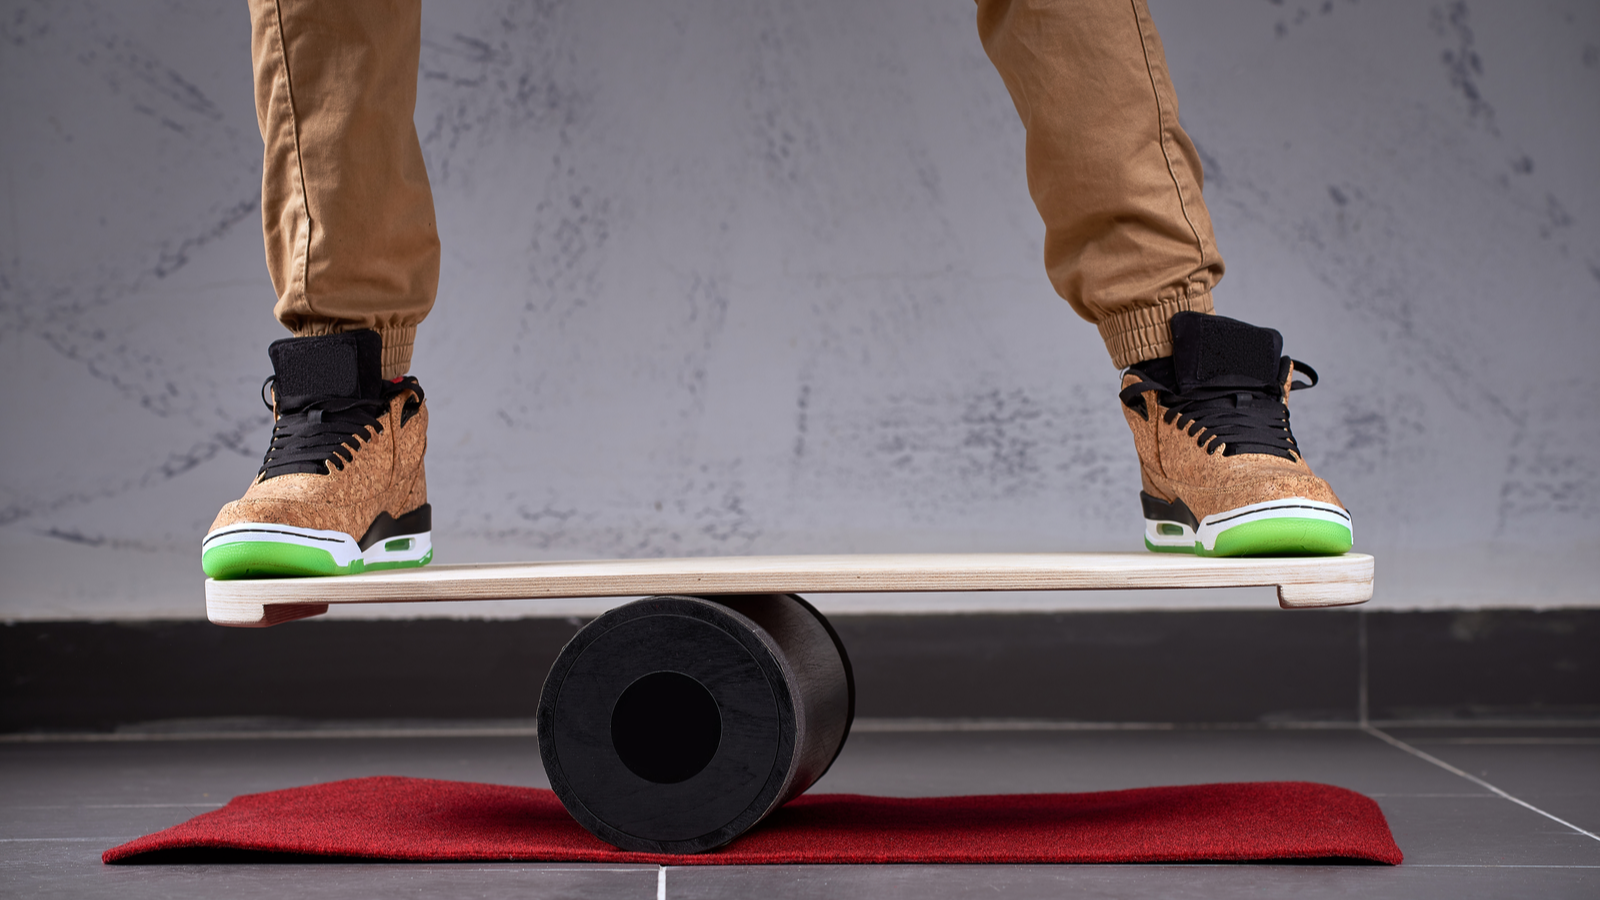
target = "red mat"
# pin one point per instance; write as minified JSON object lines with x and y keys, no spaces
{"x":422,"y":819}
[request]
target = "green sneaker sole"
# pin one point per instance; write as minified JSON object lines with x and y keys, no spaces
{"x":1283,"y":536}
{"x":270,"y":559}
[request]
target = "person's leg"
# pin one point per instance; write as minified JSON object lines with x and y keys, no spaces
{"x":353,"y":251}
{"x":346,"y":209}
{"x":1117,"y":181}
{"x":1128,"y":243}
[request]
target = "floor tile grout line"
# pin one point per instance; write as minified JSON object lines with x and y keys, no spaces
{"x":1538,"y":741}
{"x":1428,"y":757}
{"x":1488,"y":865}
{"x":890,"y":725}
{"x":295,"y":734}
{"x":126,"y":806}
{"x":1433,"y":796}
{"x":63,"y":840}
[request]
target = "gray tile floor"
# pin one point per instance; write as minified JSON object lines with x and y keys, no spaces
{"x":62,"y":803}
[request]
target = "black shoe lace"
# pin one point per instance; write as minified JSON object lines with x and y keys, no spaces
{"x":313,"y":432}
{"x":1236,"y":412}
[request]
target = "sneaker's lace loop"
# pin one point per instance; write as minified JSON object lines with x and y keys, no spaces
{"x":1239,"y":414}
{"x":311,"y":433}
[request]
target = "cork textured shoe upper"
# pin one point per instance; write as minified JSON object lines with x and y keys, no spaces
{"x":1174,"y":464}
{"x":383,"y":475}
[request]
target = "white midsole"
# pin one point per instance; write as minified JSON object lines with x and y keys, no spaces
{"x":1213,"y":525}
{"x":342,"y":547}
{"x":416,"y":547}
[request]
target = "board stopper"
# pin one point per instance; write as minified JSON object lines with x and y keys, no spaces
{"x":675,"y":724}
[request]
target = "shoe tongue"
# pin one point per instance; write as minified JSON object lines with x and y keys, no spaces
{"x":1207,"y":346}
{"x":348,"y":364}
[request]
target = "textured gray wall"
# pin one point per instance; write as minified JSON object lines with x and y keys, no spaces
{"x":763,"y":277}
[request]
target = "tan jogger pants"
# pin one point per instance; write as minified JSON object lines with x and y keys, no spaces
{"x":1127,"y":239}
{"x":348,"y":215}
{"x":345,"y":204}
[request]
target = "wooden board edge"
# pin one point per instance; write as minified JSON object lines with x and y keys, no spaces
{"x":1313,"y":596}
{"x":244,"y":614}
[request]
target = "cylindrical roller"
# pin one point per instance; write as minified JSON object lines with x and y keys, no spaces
{"x":675,"y":724}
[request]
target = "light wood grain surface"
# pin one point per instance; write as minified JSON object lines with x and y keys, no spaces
{"x":1301,"y":581}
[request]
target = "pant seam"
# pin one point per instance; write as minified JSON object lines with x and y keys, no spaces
{"x":304,"y":261}
{"x":1161,"y":131}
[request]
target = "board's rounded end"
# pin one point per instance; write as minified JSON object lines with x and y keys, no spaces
{"x":1311,"y":596}
{"x":249,"y":614}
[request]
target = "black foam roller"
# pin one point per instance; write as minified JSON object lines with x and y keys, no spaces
{"x":675,"y":724}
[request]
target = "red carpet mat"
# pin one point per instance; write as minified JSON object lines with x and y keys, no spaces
{"x":421,"y":819}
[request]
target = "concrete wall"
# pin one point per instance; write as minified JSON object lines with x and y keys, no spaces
{"x":762,"y":277}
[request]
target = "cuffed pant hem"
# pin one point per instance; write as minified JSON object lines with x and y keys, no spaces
{"x":1141,"y":334}
{"x":397,"y":341}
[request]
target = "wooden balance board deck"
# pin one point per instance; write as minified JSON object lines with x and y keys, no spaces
{"x":1302,"y":582}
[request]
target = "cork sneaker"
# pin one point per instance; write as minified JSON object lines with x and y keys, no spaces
{"x":1222,"y":474}
{"x":342,"y":488}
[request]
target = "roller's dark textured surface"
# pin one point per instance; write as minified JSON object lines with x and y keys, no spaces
{"x":635,"y":773}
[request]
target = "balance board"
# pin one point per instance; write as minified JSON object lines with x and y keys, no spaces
{"x":1301,"y":581}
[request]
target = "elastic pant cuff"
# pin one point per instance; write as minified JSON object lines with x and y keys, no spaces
{"x":1140,"y":334}
{"x":397,"y":341}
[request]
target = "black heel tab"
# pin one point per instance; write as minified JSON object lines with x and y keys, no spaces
{"x":347,"y":364}
{"x":1205,"y":347}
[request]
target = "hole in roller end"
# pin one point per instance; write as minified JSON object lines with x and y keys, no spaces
{"x":666,"y":727}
